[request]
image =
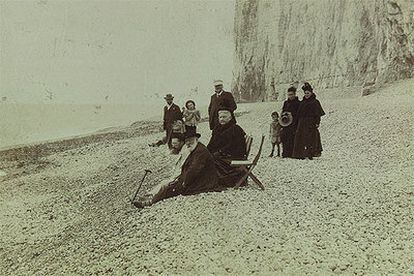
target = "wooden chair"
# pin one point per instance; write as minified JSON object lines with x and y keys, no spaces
{"x":249,"y":141}
{"x":247,"y":166}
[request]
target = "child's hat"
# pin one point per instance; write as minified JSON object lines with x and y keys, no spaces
{"x":285,"y":119}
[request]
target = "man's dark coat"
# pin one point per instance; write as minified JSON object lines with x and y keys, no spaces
{"x":171,"y":115}
{"x":226,"y":99}
{"x":198,"y":172}
{"x":307,"y":137}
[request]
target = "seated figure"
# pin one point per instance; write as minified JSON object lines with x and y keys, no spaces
{"x":227,"y":143}
{"x":198,"y":174}
{"x":176,"y":138}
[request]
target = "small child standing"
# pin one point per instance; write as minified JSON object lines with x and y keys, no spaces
{"x":275,"y":128}
{"x":191,"y":116}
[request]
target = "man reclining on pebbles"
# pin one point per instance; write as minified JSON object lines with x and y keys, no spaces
{"x":198,"y":174}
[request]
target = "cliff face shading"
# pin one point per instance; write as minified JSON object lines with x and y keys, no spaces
{"x":330,"y":43}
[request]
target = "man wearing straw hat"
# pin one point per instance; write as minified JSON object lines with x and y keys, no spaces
{"x":172,"y":114}
{"x":220,"y":98}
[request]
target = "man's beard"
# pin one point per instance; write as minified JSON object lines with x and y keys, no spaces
{"x":192,"y":147}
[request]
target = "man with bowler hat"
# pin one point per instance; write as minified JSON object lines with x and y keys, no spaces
{"x":172,"y":113}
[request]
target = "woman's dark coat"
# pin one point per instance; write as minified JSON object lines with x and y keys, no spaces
{"x":226,"y":99}
{"x":228,"y":143}
{"x":228,"y":140}
{"x":198,"y":173}
{"x":287,"y":134}
{"x":307,"y":137}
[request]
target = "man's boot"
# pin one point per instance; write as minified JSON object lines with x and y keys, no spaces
{"x":143,"y":201}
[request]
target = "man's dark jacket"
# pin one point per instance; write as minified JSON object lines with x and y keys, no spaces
{"x":171,"y":115}
{"x":228,"y":140}
{"x":226,"y":99}
{"x":198,"y":173}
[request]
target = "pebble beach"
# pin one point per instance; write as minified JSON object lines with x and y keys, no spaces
{"x":350,"y":211}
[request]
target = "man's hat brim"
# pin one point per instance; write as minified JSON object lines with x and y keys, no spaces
{"x":191,"y":135}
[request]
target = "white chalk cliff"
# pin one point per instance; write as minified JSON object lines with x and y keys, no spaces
{"x":330,"y":43}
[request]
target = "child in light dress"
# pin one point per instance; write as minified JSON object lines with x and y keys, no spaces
{"x":274,"y":134}
{"x":191,"y":116}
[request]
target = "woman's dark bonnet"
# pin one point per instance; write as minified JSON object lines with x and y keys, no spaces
{"x":307,"y":87}
{"x":292,"y":89}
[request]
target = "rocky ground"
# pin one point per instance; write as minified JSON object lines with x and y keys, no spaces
{"x":350,"y":211}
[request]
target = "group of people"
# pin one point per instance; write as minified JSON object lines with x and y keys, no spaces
{"x":200,"y":168}
{"x":297,"y":129}
{"x":203,"y":168}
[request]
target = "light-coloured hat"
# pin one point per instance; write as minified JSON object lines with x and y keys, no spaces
{"x":285,"y":119}
{"x":218,"y":82}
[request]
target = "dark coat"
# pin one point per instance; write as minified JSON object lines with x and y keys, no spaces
{"x":226,"y":99}
{"x":171,"y":115}
{"x":292,"y":106}
{"x":287,"y":134}
{"x":307,"y":137}
{"x":228,"y":141}
{"x":198,"y":172}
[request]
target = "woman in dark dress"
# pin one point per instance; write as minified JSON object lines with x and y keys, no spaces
{"x":307,"y":139}
{"x":287,"y":134}
{"x":227,"y":143}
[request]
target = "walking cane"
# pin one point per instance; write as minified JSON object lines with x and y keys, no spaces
{"x":139,"y":187}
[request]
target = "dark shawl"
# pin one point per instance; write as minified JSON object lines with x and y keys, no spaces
{"x":228,"y":141}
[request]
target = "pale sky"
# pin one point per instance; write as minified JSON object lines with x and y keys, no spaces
{"x":83,"y":51}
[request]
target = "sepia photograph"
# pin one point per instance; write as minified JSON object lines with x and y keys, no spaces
{"x":206,"y":137}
